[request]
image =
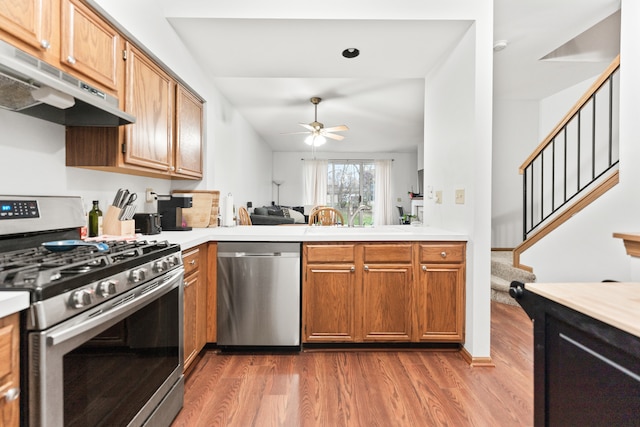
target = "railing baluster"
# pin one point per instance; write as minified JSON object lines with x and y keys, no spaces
{"x":593,"y":138}
{"x":530,"y":197}
{"x":610,"y":80}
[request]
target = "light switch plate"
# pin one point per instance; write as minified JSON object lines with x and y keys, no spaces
{"x":438,"y":197}
{"x":460,"y":196}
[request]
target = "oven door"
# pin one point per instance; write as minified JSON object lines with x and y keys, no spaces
{"x":116,"y":364}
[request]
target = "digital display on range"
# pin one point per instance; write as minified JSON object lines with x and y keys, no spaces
{"x":15,"y":209}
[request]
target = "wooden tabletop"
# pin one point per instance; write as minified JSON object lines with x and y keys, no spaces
{"x":614,"y":303}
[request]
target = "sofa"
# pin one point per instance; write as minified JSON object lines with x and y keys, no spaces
{"x":276,"y":215}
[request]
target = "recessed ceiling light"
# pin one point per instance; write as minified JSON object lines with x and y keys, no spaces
{"x":351,"y":52}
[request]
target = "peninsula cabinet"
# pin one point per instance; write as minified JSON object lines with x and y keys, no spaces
{"x":329,"y":293}
{"x":383,"y":292}
{"x":68,"y":35}
{"x":386,"y":291}
{"x":195,"y":302}
{"x":440,"y":292}
{"x":164,"y":142}
{"x":10,"y":370}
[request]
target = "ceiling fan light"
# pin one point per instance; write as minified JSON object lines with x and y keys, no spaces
{"x":319,"y":140}
{"x":309,"y":140}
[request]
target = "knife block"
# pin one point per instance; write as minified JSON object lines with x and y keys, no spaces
{"x":111,"y":225}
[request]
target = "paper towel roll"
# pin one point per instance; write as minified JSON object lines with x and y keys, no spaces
{"x":228,"y":211}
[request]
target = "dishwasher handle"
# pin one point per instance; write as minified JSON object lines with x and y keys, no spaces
{"x":258,"y":254}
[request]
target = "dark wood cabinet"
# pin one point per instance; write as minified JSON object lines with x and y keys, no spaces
{"x":586,"y":371}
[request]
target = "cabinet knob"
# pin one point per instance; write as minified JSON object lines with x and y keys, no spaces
{"x":353,"y":268}
{"x":12,"y":394}
{"x":45,"y":44}
{"x":366,"y":268}
{"x":424,"y":268}
{"x":185,"y":284}
{"x":192,"y":262}
{"x":171,"y":168}
{"x":443,"y":254}
{"x":71,"y":60}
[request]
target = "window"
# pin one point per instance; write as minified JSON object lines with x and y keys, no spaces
{"x":351,"y":183}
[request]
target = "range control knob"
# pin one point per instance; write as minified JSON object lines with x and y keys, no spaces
{"x":81,"y":298}
{"x":106,"y":288}
{"x":137,"y":275}
{"x":160,"y":266}
{"x":173,"y":261}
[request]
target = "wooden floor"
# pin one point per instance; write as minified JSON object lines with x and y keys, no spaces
{"x":369,"y":388}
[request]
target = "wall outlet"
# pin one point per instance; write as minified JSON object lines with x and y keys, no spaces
{"x":460,"y":196}
{"x":149,"y":195}
{"x":399,"y":199}
{"x":438,"y":197}
{"x":430,"y":192}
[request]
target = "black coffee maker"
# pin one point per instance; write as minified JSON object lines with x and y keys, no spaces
{"x":170,"y":210}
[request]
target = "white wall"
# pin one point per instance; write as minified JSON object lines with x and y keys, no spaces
{"x":515,"y":135}
{"x":32,"y":155}
{"x":457,"y":154}
{"x":287,"y":166}
{"x":583,"y":249}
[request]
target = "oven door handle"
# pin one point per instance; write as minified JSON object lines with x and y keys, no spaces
{"x":120,"y":308}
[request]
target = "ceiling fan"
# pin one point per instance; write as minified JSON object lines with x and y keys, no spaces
{"x":318,"y":134}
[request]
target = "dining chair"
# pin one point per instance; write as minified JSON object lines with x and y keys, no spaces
{"x":326,"y":216}
{"x":243,"y":216}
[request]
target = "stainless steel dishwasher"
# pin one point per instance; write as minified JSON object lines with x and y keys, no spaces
{"x":258,"y":294}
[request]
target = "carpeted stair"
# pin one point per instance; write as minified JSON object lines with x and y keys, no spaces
{"x":503,"y":273}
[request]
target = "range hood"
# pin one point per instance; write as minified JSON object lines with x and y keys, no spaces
{"x":33,"y":87}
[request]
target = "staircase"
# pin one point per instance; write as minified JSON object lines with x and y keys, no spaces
{"x":503,"y":273}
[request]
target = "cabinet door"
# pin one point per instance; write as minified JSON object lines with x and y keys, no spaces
{"x":89,"y":47}
{"x":386,"y":304}
{"x":440,"y":302}
{"x":9,"y":370}
{"x":149,"y":97}
{"x":28,"y":25}
{"x":190,"y":319}
{"x":188,"y":156}
{"x":328,"y":303}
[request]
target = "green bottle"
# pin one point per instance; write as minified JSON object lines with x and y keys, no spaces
{"x":95,"y":220}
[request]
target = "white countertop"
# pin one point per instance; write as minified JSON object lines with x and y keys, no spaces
{"x":614,"y":303}
{"x":13,"y":301}
{"x":305,"y":233}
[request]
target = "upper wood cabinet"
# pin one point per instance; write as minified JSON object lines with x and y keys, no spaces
{"x":68,"y":35}
{"x":149,"y":97}
{"x":189,"y":126}
{"x":89,"y":47}
{"x":29,"y":25}
{"x":164,"y":142}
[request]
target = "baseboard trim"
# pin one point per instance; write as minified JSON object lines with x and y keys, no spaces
{"x":476,"y":362}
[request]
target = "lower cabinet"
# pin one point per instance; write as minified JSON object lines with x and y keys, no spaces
{"x":383,"y":292}
{"x":10,"y":371}
{"x":440,"y":301}
{"x":195,"y":302}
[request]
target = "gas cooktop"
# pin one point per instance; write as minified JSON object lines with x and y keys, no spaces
{"x":46,"y":273}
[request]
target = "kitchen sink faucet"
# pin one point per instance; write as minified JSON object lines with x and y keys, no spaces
{"x":357,"y":211}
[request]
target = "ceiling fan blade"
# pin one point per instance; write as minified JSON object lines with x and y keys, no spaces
{"x":296,"y":133}
{"x":332,"y":136}
{"x":337,"y":128}
{"x":306,"y":126}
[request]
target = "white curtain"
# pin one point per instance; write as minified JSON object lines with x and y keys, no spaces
{"x":383,"y":206}
{"x":315,"y":182}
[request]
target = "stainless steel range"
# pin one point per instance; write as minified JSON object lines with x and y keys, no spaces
{"x":102,"y":339}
